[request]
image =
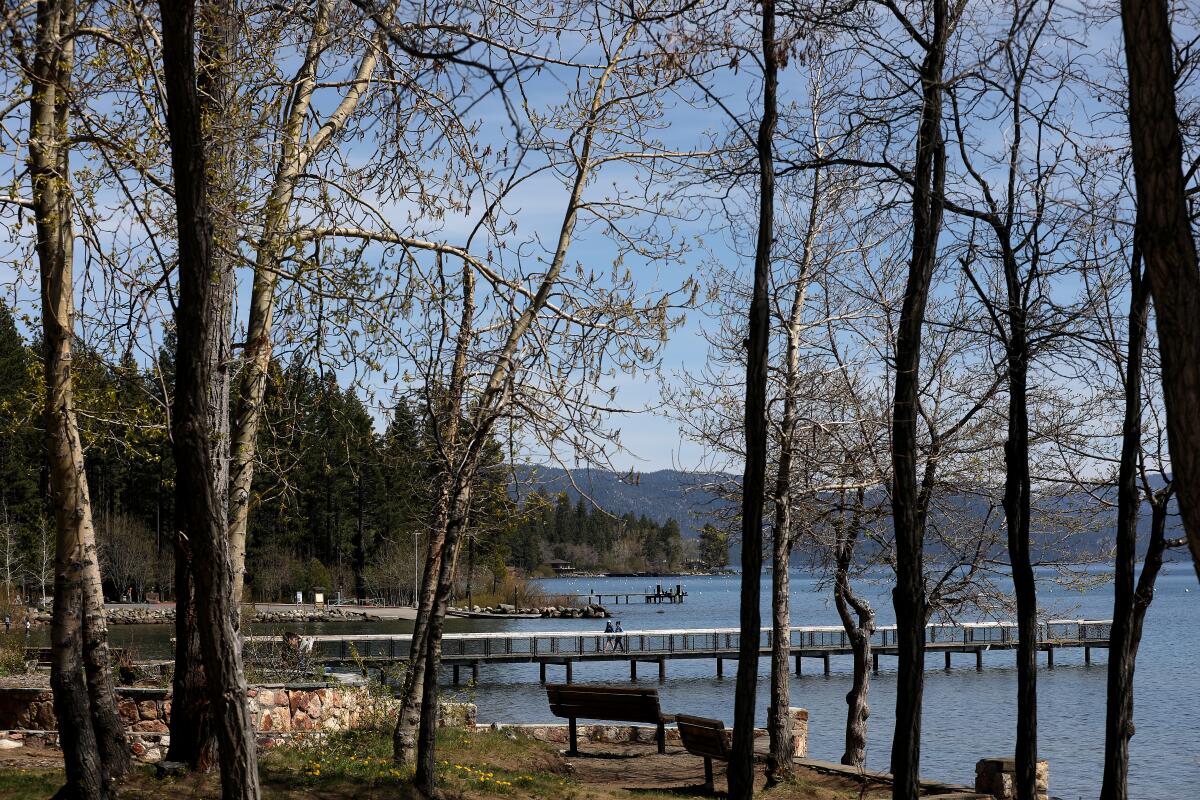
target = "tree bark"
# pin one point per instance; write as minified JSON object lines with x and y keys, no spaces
{"x":909,"y":503}
{"x":406,"y":734}
{"x":779,"y":724}
{"x":93,"y":738}
{"x":1016,"y":512}
{"x":1130,"y":605}
{"x":741,"y":760}
{"x":193,"y":734}
{"x":201,"y":495}
{"x":848,"y":605}
{"x":1164,"y":235}
{"x":426,"y":762}
{"x":1119,"y":727}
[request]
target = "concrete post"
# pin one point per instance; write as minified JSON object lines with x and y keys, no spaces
{"x":997,"y":777}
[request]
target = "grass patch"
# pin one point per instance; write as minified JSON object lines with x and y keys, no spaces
{"x":29,"y":784}
{"x":358,"y":766}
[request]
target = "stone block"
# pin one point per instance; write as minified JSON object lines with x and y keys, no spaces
{"x":127,"y":710}
{"x":997,"y":777}
{"x":799,"y":719}
{"x":153,"y":725}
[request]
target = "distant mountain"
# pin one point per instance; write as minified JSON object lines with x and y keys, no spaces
{"x":658,"y":495}
{"x":687,"y":497}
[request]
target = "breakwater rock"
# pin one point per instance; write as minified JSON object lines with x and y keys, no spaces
{"x":554,"y":612}
{"x":164,"y":614}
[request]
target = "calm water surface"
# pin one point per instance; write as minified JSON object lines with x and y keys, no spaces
{"x":968,"y":715}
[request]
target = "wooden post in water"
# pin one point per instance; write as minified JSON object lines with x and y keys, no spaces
{"x":875,"y":661}
{"x":542,"y":670}
{"x":456,"y":674}
{"x":1050,"y":657}
{"x":947,"y":661}
{"x":569,"y":675}
{"x":720,"y":668}
{"x":662,"y":669}
{"x":979,"y":659}
{"x":825,"y":658}
{"x":633,"y":670}
{"x":475,"y":672}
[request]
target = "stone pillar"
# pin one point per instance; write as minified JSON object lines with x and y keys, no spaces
{"x":799,"y":718}
{"x":997,"y":777}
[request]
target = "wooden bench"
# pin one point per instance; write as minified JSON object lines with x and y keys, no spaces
{"x":618,"y":703}
{"x":706,"y":737}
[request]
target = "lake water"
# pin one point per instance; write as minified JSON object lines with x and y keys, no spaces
{"x":968,"y":714}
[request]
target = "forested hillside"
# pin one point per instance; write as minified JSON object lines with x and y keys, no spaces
{"x":591,"y":539}
{"x":339,"y":504}
{"x":686,"y":497}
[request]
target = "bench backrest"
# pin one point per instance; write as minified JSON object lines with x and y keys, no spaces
{"x":702,"y":736}
{"x":604,"y":702}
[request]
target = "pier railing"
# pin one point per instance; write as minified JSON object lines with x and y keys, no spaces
{"x":543,"y":645}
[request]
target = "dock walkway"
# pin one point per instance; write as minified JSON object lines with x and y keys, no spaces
{"x":567,"y":648}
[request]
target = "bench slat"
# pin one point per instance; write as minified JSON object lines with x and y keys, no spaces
{"x":702,"y":736}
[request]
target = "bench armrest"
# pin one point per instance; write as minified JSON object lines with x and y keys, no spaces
{"x":665,"y":718}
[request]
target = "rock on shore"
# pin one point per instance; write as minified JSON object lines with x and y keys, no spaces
{"x":555,"y":612}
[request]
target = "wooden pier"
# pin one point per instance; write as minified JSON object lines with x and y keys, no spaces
{"x":568,"y":648}
{"x":659,"y":594}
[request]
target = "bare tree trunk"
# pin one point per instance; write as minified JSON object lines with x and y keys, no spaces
{"x":92,"y":736}
{"x":1016,"y":511}
{"x":295,"y":155}
{"x":193,"y":739}
{"x":1164,"y":234}
{"x":97,"y":656}
{"x":741,"y":761}
{"x":202,"y":342}
{"x":909,"y":502}
{"x":779,"y":724}
{"x":848,"y":604}
{"x":426,"y":762}
{"x":1130,"y":606}
{"x":194,"y":734}
{"x":1121,"y":662}
{"x":405,"y":735}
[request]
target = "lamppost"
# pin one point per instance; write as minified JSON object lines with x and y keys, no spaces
{"x":414,"y":594}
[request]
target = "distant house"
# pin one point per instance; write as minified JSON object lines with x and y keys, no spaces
{"x":560,"y":567}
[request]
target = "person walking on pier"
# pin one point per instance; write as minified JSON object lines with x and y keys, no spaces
{"x":621,"y":642}
{"x":610,"y":641}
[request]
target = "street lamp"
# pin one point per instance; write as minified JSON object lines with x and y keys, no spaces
{"x":414,"y":594}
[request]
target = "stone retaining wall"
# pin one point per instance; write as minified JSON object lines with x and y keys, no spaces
{"x":278,"y":711}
